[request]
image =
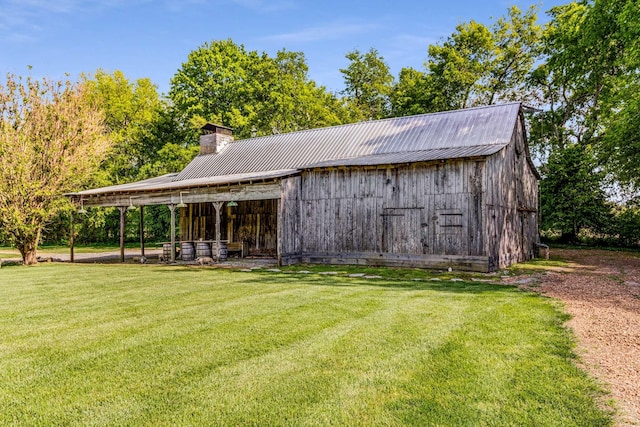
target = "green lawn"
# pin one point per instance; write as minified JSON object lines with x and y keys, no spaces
{"x":158,"y":345}
{"x":48,"y":250}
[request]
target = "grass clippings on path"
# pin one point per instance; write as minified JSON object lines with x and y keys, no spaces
{"x":157,"y":345}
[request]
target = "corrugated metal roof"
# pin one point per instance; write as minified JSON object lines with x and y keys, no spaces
{"x":412,"y":156}
{"x":132,"y":186}
{"x":464,"y":133}
{"x":156,"y":184}
{"x":457,"y":131}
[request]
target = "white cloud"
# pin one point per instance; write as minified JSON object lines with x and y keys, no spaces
{"x":28,"y":7}
{"x":25,"y":20}
{"x":331,"y":31}
{"x":17,"y":21}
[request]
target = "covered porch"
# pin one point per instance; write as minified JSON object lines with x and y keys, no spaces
{"x":237,"y":213}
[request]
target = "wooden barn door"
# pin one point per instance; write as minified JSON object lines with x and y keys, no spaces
{"x":528,"y":232}
{"x":403,"y":231}
{"x":450,"y":232}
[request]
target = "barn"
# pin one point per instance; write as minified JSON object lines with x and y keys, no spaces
{"x":452,"y":189}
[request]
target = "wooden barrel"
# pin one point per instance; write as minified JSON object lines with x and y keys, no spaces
{"x":203,"y":249}
{"x":187,"y":251}
{"x":222,"y":252}
{"x":166,"y":252}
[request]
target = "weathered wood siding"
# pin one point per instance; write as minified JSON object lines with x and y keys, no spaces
{"x":400,"y":215}
{"x":512,"y":204}
{"x":291,"y":236}
{"x":253,"y":221}
{"x":475,"y":214}
{"x":197,"y":222}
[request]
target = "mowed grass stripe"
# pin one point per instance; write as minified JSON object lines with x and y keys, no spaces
{"x":148,"y":345}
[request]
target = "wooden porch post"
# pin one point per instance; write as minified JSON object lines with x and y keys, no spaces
{"x":141,"y":230}
{"x":123,"y":211}
{"x":279,"y":231}
{"x":71,"y":239}
{"x":172,"y":208}
{"x":217,"y":206}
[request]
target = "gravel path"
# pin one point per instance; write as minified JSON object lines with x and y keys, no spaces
{"x":601,"y":291}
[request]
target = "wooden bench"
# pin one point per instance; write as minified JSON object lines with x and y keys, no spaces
{"x":242,"y":247}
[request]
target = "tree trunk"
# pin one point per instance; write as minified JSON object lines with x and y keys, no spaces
{"x":28,"y":248}
{"x":30,"y":257}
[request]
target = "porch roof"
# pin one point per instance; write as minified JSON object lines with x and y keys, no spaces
{"x":166,"y":182}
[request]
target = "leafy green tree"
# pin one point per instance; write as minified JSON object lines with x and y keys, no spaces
{"x":626,"y":223}
{"x":51,"y":139}
{"x":253,"y":93}
{"x":289,"y":100}
{"x":562,"y":85}
{"x":587,"y":85}
{"x":412,"y":94}
{"x":170,"y":158}
{"x":368,"y":84}
{"x":131,"y":109}
{"x":460,"y":66}
{"x":480,"y":65}
{"x":620,"y":149}
{"x":139,"y":123}
{"x":572,"y":198}
{"x":516,"y":47}
{"x":476,"y":65}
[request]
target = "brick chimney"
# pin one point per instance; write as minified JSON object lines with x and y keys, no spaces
{"x":214,"y":138}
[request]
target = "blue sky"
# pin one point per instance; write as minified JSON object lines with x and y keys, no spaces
{"x":147,"y":38}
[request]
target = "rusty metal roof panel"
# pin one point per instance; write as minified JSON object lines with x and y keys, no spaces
{"x":452,"y":130}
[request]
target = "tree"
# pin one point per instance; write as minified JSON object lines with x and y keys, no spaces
{"x":139,"y":123}
{"x":476,"y":65}
{"x":626,"y":223}
{"x":253,"y":93}
{"x":587,"y":84}
{"x":562,"y":85}
{"x":171,"y":158}
{"x":131,"y":110}
{"x":51,"y":139}
{"x":620,"y":149}
{"x":480,"y":65}
{"x":516,"y":48}
{"x":289,"y":100}
{"x":412,"y":94}
{"x":368,"y":84}
{"x":572,"y":198}
{"x":460,"y":65}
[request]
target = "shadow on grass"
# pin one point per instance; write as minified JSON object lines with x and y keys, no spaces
{"x":391,"y":279}
{"x":443,"y":285}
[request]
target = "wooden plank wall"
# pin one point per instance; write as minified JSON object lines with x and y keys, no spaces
{"x":254,"y":221}
{"x":512,"y":204}
{"x":417,"y":209}
{"x":197,"y":222}
{"x":291,"y":236}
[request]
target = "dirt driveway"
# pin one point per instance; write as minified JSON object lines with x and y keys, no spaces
{"x":601,"y":290}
